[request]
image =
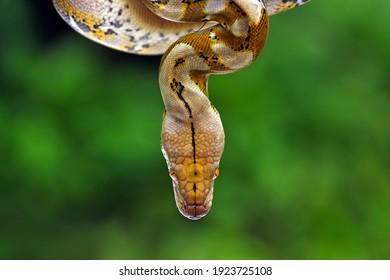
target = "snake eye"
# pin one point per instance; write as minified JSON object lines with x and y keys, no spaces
{"x":216,"y":173}
{"x":172,"y":174}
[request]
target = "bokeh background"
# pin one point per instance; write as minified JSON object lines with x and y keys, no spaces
{"x":305,"y":172}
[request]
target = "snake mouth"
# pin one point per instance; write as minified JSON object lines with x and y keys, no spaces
{"x":194,"y":212}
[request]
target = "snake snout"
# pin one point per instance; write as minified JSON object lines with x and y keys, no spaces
{"x":193,"y":202}
{"x":195,"y":212}
{"x":193,"y":185}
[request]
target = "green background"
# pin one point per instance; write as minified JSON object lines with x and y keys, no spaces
{"x":305,"y":172}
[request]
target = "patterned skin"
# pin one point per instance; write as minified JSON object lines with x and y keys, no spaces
{"x":278,"y":6}
{"x":198,"y":38}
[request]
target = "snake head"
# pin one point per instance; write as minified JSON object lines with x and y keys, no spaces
{"x":193,"y":154}
{"x":193,"y":185}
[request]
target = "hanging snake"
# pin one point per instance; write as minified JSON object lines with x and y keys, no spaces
{"x":197,"y":38}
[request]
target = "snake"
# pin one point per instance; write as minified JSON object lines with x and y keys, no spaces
{"x":196,"y":38}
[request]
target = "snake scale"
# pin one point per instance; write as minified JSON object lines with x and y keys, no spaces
{"x":197,"y":38}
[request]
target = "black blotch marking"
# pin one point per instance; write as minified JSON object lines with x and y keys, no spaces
{"x":82,"y":25}
{"x":179,"y":88}
{"x":110,"y":32}
{"x":179,"y":61}
{"x":116,"y":24}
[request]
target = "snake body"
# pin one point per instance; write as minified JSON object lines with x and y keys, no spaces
{"x":197,"y":38}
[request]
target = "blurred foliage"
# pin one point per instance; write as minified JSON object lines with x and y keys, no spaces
{"x":305,"y":172}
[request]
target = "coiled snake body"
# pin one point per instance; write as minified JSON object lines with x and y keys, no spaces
{"x":198,"y":38}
